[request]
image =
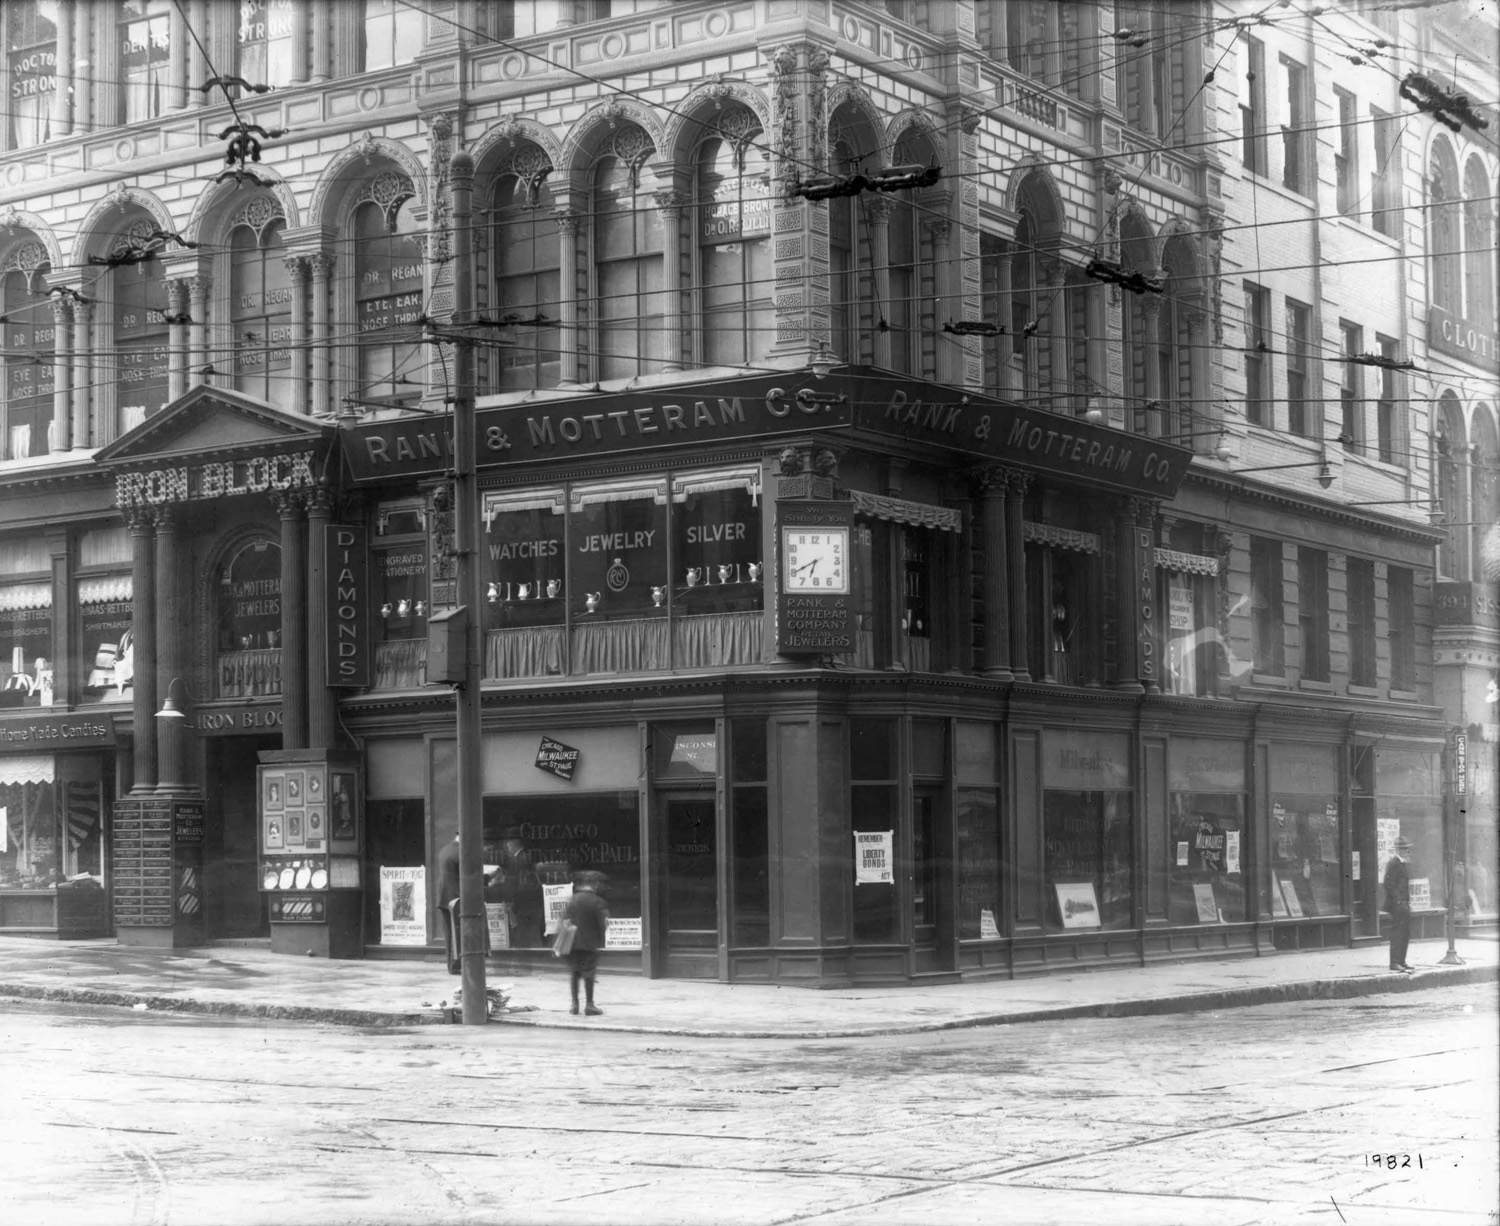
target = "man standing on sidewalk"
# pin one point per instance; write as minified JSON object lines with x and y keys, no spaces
{"x":1398,"y":904}
{"x":588,"y":912}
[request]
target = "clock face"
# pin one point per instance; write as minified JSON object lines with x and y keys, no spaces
{"x":815,"y":560}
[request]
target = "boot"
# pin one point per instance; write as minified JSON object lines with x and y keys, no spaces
{"x":590,"y":1009}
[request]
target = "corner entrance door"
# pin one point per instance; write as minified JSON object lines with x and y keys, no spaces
{"x":689,"y":893}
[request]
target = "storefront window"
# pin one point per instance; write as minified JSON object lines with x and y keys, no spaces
{"x":50,"y":827}
{"x":750,"y":869}
{"x":399,"y":577}
{"x":718,"y":591}
{"x":26,"y":656}
{"x":1409,"y":804}
{"x":1206,"y":838}
{"x":977,"y":812}
{"x":105,"y":614}
{"x":1088,"y":830}
{"x":526,"y":588}
{"x":1192,"y":638}
{"x":1305,"y":874}
{"x":546,"y":841}
{"x":873,"y":799}
{"x":617,"y":577}
{"x":249,"y":621}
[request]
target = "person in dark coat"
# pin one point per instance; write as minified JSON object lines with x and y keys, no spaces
{"x":587,"y":911}
{"x":1398,"y":904}
{"x":448,"y":890}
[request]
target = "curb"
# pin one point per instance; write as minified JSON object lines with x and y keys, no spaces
{"x":1190,"y":1002}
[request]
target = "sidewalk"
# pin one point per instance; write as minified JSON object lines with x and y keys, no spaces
{"x":247,"y":980}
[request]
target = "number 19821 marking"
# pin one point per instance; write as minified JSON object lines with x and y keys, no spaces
{"x":1392,"y":1162}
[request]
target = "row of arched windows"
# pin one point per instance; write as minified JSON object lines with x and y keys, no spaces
{"x":1461,"y":240}
{"x":1466,"y":482}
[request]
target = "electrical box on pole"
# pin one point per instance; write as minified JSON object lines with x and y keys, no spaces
{"x":448,"y":646}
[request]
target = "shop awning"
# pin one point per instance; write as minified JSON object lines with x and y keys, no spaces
{"x":26,"y":768}
{"x":905,"y":511}
{"x":1186,"y":563}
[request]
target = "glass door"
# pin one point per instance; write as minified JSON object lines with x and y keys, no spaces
{"x":924,"y":885}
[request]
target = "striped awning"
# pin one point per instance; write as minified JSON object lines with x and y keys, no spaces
{"x":905,"y":511}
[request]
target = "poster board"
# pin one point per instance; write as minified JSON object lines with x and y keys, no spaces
{"x":1207,"y":904}
{"x":1421,"y":894}
{"x":624,"y":932}
{"x":872,"y":857}
{"x":1077,"y":904}
{"x":1278,"y":899}
{"x":497,"y":914}
{"x":1293,"y":903}
{"x":555,"y":899}
{"x":403,"y":905}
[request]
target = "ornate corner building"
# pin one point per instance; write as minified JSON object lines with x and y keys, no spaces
{"x":962,"y":489}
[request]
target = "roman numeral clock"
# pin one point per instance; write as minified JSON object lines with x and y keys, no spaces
{"x":815,"y":589}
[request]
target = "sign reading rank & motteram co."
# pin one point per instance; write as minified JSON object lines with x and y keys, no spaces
{"x":685,"y":415}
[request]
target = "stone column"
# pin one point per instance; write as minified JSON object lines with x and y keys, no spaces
{"x":567,"y":240}
{"x":170,"y":653}
{"x":1096,"y":351}
{"x":1010,"y":382}
{"x":878,"y":214}
{"x":296,"y":267}
{"x":1194,"y":417}
{"x":672,"y":205}
{"x":83,"y":375}
{"x":143,"y":635}
{"x":321,"y":713}
{"x":1127,"y":589}
{"x":179,"y":338}
{"x":198,"y":19}
{"x":293,"y":621}
{"x":996,"y":535}
{"x":1015,"y":529}
{"x":322,"y":375}
{"x":66,"y":676}
{"x":1054,"y":335}
{"x":198,"y":292}
{"x":82,"y":82}
{"x":62,"y":374}
{"x":302,"y":19}
{"x":62,"y":100}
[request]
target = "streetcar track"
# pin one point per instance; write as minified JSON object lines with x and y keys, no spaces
{"x":532,"y":1126}
{"x":1337,"y":1068}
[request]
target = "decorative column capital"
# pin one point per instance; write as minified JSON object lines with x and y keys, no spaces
{"x":568,"y":222}
{"x":297,"y":269}
{"x":671,"y":204}
{"x":62,"y":310}
{"x":321,"y":263}
{"x":1017,"y":482}
{"x":140,"y":521}
{"x":289,"y":504}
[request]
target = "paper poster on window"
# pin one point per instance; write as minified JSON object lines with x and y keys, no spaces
{"x":1077,"y":904}
{"x":1208,"y":906}
{"x":403,"y":905}
{"x":1231,"y":851}
{"x":1181,"y":608}
{"x":988,"y":929}
{"x":555,"y":899}
{"x":872,"y":857}
{"x":1278,"y":899}
{"x":498,"y":916}
{"x":1387,"y":831}
{"x":1421,"y":894}
{"x":624,"y":932}
{"x":1355,"y":865}
{"x":1293,"y":903}
{"x":1182,"y":855}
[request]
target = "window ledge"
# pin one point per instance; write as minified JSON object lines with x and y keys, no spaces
{"x":1316,"y":687}
{"x":1402,"y":695}
{"x":1364,"y":691}
{"x":1268,"y":679}
{"x":1364,"y":229}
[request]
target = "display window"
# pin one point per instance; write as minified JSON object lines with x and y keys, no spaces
{"x":540,"y":845}
{"x":26,"y":655}
{"x":873,"y":809}
{"x":526,"y":588}
{"x":1305,"y":873}
{"x":105,"y":617}
{"x":1087,"y":830}
{"x":749,"y":834}
{"x":1206,"y":840}
{"x":248,"y":595}
{"x":51,"y":830}
{"x":976,"y":804}
{"x":1409,"y":805}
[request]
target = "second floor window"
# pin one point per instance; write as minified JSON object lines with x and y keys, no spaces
{"x":630,"y":328}
{"x":733,"y":217}
{"x":1253,"y":107}
{"x":1385,"y":183}
{"x":1401,"y":628}
{"x":1312,"y":612}
{"x":1295,"y":174}
{"x":1387,"y":408}
{"x":264,"y":44}
{"x":141,"y":335}
{"x":1361,"y":582}
{"x":526,"y":274}
{"x":1266,"y":608}
{"x":388,"y":292}
{"x":30,"y":374}
{"x":392,"y":33}
{"x":1351,"y":387}
{"x":1346,"y":160}
{"x":31,"y":57}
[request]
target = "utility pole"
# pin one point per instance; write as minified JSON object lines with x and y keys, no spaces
{"x":472,"y":925}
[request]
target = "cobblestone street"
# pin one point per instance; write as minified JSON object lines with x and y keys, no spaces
{"x":1269,"y":1114}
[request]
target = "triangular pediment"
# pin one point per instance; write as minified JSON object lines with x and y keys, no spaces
{"x":213,"y":423}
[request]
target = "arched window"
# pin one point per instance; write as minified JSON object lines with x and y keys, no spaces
{"x":248,"y":610}
{"x":260,"y":303}
{"x":1137,"y":255}
{"x":388,"y":264}
{"x":1447,"y":478}
{"x":851,"y":280}
{"x":1181,"y":303}
{"x":629,"y":329}
{"x":1479,"y":248}
{"x":526,"y":274}
{"x":734,"y":255}
{"x":1048,"y":301}
{"x":140,"y":329}
{"x":1484,"y":483}
{"x":1445,"y":239}
{"x":912,"y":262}
{"x":29,"y":371}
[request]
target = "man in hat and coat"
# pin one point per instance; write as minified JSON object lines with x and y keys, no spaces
{"x":1397,"y":904}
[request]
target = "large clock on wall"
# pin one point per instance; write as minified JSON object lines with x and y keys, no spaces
{"x":814,"y":604}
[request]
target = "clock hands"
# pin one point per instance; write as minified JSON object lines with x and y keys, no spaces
{"x":797,"y":570}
